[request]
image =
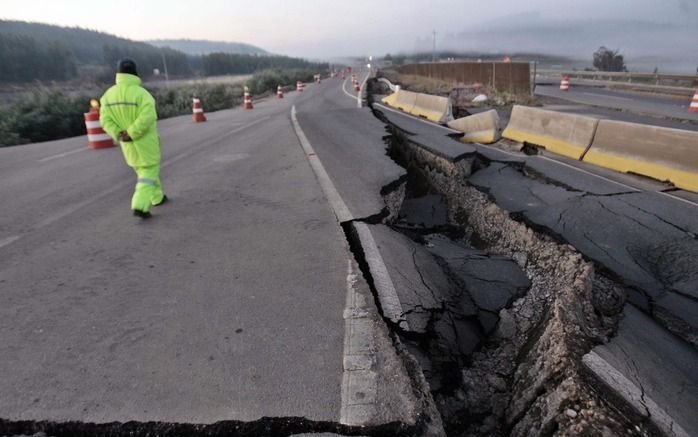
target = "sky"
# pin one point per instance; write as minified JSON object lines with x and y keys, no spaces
{"x":331,"y":28}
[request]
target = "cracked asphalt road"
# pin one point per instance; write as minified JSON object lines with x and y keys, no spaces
{"x":107,"y":318}
{"x":638,"y":232}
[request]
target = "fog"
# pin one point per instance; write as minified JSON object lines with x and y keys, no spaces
{"x":647,"y":32}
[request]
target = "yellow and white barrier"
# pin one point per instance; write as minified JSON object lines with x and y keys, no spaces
{"x":660,"y":153}
{"x":434,"y":108}
{"x":565,"y":134}
{"x":478,"y":128}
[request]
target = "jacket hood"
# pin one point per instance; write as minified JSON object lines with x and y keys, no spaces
{"x":128,"y":79}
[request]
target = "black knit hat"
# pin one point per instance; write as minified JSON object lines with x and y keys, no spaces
{"x":127,"y":65}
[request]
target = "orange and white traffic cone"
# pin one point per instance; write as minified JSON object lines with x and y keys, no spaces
{"x":565,"y":83}
{"x":279,"y":92}
{"x":197,"y":110}
{"x":96,"y":137}
{"x":299,"y":86}
{"x":247,"y":101}
{"x":693,"y":107}
{"x":357,"y":86}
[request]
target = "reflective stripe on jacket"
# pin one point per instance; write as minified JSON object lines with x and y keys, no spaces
{"x":128,"y":106}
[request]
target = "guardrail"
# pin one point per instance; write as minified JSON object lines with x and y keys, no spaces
{"x":670,"y":83}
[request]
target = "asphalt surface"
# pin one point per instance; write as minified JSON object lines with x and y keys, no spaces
{"x":229,"y":304}
{"x":233,"y":301}
{"x":637,"y":231}
{"x":631,"y":102}
{"x":360,"y":168}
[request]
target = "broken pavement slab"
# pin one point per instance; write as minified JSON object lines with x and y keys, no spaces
{"x":492,"y":282}
{"x":653,"y":371}
{"x":645,"y":239}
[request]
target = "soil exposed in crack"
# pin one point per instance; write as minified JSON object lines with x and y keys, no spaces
{"x":266,"y":426}
{"x":524,"y":376}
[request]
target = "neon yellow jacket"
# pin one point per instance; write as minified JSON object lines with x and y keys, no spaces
{"x":128,"y":106}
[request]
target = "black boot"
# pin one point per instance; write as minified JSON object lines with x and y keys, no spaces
{"x":163,"y":201}
{"x":141,"y":214}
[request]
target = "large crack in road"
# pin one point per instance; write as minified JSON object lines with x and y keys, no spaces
{"x":500,"y":325}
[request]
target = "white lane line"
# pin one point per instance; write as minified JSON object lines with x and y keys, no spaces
{"x":333,"y":197}
{"x":605,"y":96}
{"x":61,"y":155}
{"x":387,"y":294}
{"x":448,"y":129}
{"x":678,"y":198}
{"x":589,"y":173}
{"x":82,"y":205}
{"x":359,"y":379}
{"x":634,"y":395}
{"x":194,"y":150}
{"x":539,"y":156}
{"x":9,"y":240}
{"x":637,"y":190}
{"x":344,"y":88}
{"x":359,"y":100}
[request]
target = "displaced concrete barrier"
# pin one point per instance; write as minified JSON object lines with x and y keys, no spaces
{"x":402,"y":100}
{"x":434,"y":108}
{"x":657,"y":152}
{"x":565,"y":134}
{"x":478,"y":128}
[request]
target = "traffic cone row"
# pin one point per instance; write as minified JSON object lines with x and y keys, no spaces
{"x":693,"y":107}
{"x":197,"y":110}
{"x":96,"y":137}
{"x":247,"y":100}
{"x":565,"y":83}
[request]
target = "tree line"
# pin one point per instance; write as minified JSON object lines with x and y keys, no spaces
{"x":33,"y":51}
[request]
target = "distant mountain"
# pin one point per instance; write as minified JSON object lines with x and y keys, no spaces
{"x":203,"y":47}
{"x":30,"y":51}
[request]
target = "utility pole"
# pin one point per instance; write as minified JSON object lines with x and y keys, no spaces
{"x":433,"y":51}
{"x":164,"y":64}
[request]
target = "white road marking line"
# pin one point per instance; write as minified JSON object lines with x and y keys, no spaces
{"x":344,"y":88}
{"x":359,"y":379}
{"x":543,"y":157}
{"x":632,"y":394}
{"x":81,"y":205}
{"x":605,"y":96}
{"x":61,"y":155}
{"x":357,"y":375}
{"x":194,"y":150}
{"x":448,"y":129}
{"x":678,"y":198}
{"x":333,"y":197}
{"x":9,"y":240}
{"x":390,"y":301}
{"x":589,"y":173}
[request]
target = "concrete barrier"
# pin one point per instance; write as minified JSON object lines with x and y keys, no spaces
{"x":402,"y":100}
{"x":478,"y":128}
{"x":565,"y":134}
{"x":434,"y":108}
{"x":657,"y":152}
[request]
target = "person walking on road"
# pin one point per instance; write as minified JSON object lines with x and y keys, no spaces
{"x":128,"y":115}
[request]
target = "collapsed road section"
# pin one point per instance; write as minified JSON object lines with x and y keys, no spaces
{"x":519,"y":328}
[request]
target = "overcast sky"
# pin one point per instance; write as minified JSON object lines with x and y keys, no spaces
{"x":326,"y":28}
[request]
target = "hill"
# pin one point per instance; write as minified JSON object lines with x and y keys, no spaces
{"x":35,"y":51}
{"x":203,"y":47}
{"x":31,"y":51}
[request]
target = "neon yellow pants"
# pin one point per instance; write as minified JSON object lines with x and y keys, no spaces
{"x":148,"y":190}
